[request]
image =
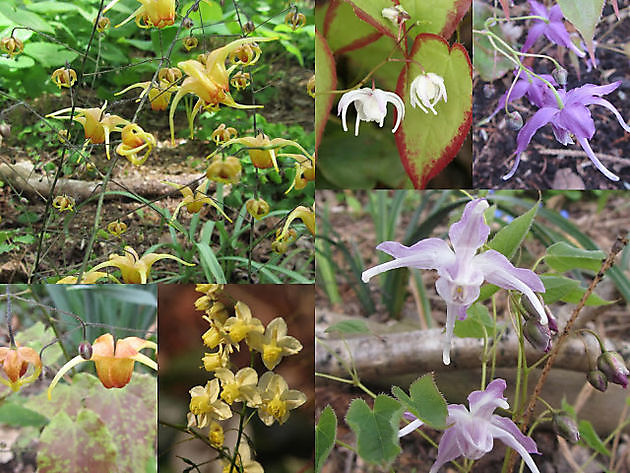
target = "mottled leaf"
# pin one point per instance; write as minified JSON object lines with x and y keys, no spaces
{"x":425,"y":401}
{"x":325,"y":434}
{"x":325,"y":82}
{"x":80,"y":445}
{"x":427,"y":142}
{"x":35,"y":337}
{"x":377,"y":429}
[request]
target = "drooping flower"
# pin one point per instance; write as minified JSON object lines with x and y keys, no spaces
{"x":210,"y":80}
{"x":12,"y":46}
{"x":274,"y":344}
{"x":295,"y":20}
{"x":114,"y":363}
{"x":193,"y":202}
{"x":135,"y":141}
{"x":97,"y":124}
{"x":205,"y":405}
{"x":158,"y":13}
{"x":257,"y":208}
{"x":277,"y":398}
{"x":225,"y":169}
{"x":216,"y":360}
{"x":371,"y":106}
{"x":89,"y":277}
{"x":553,"y":29}
{"x":472,"y":431}
{"x":15,"y":363}
{"x":614,"y":367}
{"x":64,"y":203}
{"x":398,"y":16}
{"x":573,"y":119}
{"x":461,"y":270}
{"x":222,"y":134}
{"x":117,"y":228}
{"x":159,"y":94}
{"x":426,"y":91}
{"x":63,"y":77}
{"x":135,"y":270}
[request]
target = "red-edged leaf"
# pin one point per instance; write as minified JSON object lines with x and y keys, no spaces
{"x":427,"y":142}
{"x":82,"y":445}
{"x":437,"y":16}
{"x":325,"y":81}
{"x":344,"y":31}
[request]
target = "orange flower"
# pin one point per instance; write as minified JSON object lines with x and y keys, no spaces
{"x":64,"y":77}
{"x":114,"y":365}
{"x":158,"y":13}
{"x":15,"y":363}
{"x":134,"y":141}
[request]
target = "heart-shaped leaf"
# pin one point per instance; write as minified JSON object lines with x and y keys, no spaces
{"x":325,"y":81}
{"x":427,"y":142}
{"x":343,"y":30}
{"x":325,"y":435}
{"x":584,"y":15}
{"x":438,"y":16}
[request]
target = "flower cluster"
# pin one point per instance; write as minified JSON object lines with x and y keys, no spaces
{"x":425,"y":92}
{"x":268,"y":394}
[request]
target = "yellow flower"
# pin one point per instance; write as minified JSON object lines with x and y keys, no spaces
{"x":215,"y":434}
{"x":169,"y":75}
{"x":222,"y":134}
{"x":217,"y":313}
{"x":114,"y":364}
{"x":284,"y":237}
{"x":239,"y":387}
{"x":244,"y":462}
{"x":135,"y":270}
{"x":205,"y":405}
{"x":274,"y":344}
{"x":310,"y":86}
{"x":281,"y":244}
{"x":89,"y":277}
{"x":242,"y":324}
{"x":102,"y":23}
{"x":295,"y":20}
{"x":159,"y":94}
{"x":64,"y":77}
{"x":158,"y":13}
{"x":117,"y":228}
{"x":209,"y":81}
{"x":257,"y":208}
{"x":304,"y":171}
{"x":225,"y":169}
{"x":96,"y":123}
{"x":194,"y":202}
{"x":216,"y":360}
{"x":15,"y":363}
{"x":240,"y":80}
{"x":190,"y":43}
{"x":210,"y":290}
{"x":12,"y":46}
{"x":246,"y":54}
{"x":63,"y":203}
{"x":134,"y":141}
{"x":277,"y":399}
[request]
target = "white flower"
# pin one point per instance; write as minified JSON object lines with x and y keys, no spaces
{"x":371,"y":106}
{"x":426,"y":91}
{"x":395,"y":14}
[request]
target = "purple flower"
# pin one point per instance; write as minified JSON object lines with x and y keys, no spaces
{"x":472,"y":431}
{"x":553,"y":28}
{"x":536,"y":91}
{"x":573,"y":119}
{"x":461,"y":270}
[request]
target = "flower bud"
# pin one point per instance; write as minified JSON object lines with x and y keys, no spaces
{"x":215,"y":435}
{"x":613,"y":366}
{"x":560,"y":75}
{"x":530,"y":310}
{"x":564,"y":425}
{"x":102,"y":24}
{"x":514,"y":121}
{"x":553,"y":323}
{"x":249,"y":27}
{"x":187,"y":23}
{"x":597,"y":379}
{"x":85,"y":350}
{"x":538,"y":335}
{"x":190,"y":43}
{"x":257,"y":208}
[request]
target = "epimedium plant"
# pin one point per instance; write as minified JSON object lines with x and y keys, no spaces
{"x":399,"y":53}
{"x":469,"y":258}
{"x":79,"y":421}
{"x":552,"y":91}
{"x":201,"y":55}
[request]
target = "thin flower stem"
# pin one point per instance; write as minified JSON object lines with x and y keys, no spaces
{"x":347,"y":446}
{"x":596,"y":335}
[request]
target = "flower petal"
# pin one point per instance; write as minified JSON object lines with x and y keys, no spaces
{"x":448,"y":449}
{"x":508,"y":425}
{"x":410,"y":427}
{"x":611,"y":107}
{"x":483,"y":403}
{"x":471,"y":231}
{"x":507,"y":438}
{"x":598,"y":164}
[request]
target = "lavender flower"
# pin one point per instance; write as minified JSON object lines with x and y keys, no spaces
{"x":472,"y":431}
{"x":553,"y":28}
{"x":572,"y":119}
{"x":461,"y":271}
{"x":535,"y":89}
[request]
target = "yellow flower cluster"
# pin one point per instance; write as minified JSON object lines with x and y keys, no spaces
{"x":268,"y":394}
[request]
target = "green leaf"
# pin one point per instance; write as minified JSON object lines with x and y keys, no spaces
{"x":490,"y":64}
{"x":376,"y":430}
{"x":427,"y":142}
{"x":560,"y":288}
{"x":473,"y":325}
{"x":325,"y":434}
{"x":325,"y":82}
{"x":49,"y":54}
{"x":509,"y":238}
{"x":17,"y":416}
{"x":210,"y":264}
{"x":584,"y":15}
{"x":54,"y":7}
{"x":82,"y":445}
{"x":343,"y":30}
{"x":425,"y":401}
{"x":20,"y":17}
{"x":19,"y":62}
{"x":563,"y":257}
{"x":588,"y":434}
{"x":349,"y":326}
{"x":35,"y":337}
